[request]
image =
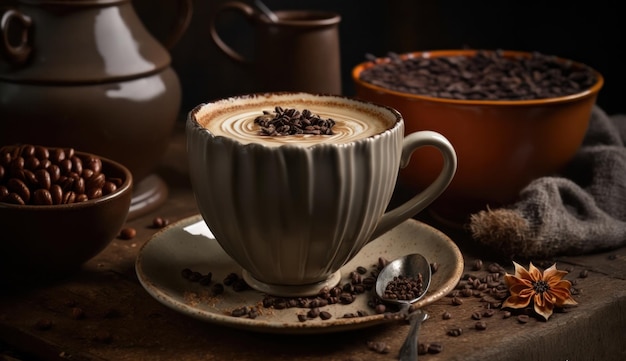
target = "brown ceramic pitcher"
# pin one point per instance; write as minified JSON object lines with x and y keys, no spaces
{"x":87,"y":74}
{"x":297,"y":52}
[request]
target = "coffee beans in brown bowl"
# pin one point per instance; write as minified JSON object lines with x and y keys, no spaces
{"x":511,"y":116}
{"x":58,"y":208}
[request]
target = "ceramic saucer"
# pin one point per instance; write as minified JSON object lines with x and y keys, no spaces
{"x":172,"y":249}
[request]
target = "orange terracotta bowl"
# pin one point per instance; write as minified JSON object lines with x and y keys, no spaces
{"x":41,"y":243}
{"x":501,"y":145}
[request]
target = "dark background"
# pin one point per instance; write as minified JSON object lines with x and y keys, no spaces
{"x":586,"y":32}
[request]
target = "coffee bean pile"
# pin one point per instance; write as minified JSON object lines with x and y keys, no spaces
{"x":293,"y":122}
{"x":488,"y":75}
{"x":404,"y":288}
{"x":489,"y":287}
{"x":343,"y":294}
{"x":359,"y":283}
{"x":38,"y":175}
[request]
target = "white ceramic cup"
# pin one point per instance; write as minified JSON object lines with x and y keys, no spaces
{"x":292,"y":210}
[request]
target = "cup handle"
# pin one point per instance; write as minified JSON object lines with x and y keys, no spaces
{"x":247,"y":11}
{"x":18,"y":53}
{"x":185,"y":12}
{"x":421,"y":200}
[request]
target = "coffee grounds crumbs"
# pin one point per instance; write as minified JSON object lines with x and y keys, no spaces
{"x":290,"y":121}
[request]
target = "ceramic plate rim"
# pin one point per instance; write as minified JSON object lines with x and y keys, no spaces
{"x":176,"y":301}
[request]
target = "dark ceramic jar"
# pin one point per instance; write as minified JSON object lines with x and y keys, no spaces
{"x":87,"y":74}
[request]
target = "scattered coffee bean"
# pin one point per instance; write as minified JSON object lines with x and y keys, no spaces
{"x":230,"y":279}
{"x":455,"y":332}
{"x":239,"y":312}
{"x":239,"y":285}
{"x":583,"y":274}
{"x":78,"y":313}
{"x":477,"y":316}
{"x":457,"y":301}
{"x":422,"y":348}
{"x":480,"y":325}
{"x":127,"y":233}
{"x":446,"y":315}
{"x":313,"y":313}
{"x":467,"y":292}
{"x":325,"y":315}
{"x":435,"y":347}
{"x":253,"y":313}
{"x":217,"y":289}
{"x":160,"y":222}
{"x":523,"y":318}
{"x":496,"y":268}
{"x":434,"y":267}
{"x":380,"y":347}
{"x":205,"y":280}
{"x":195,"y":276}
{"x":382,"y":262}
{"x":506,"y":314}
{"x":477,"y":265}
{"x":361,"y":270}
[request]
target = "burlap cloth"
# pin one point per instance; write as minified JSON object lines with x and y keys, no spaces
{"x":581,"y":210}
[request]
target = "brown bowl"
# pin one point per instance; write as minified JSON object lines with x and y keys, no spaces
{"x":43,"y":242}
{"x":501,"y":145}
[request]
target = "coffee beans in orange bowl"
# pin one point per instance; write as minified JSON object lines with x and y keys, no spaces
{"x":512,"y":117}
{"x":58,"y":208}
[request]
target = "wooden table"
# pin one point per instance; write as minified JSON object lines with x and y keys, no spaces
{"x":120,"y":321}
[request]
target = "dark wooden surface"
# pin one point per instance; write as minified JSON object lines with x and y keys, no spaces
{"x":143,"y":329}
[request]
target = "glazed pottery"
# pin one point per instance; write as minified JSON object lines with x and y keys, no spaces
{"x":502,"y":145}
{"x":46,"y":242}
{"x":297,"y":52}
{"x":87,"y":74}
{"x":293,"y":209}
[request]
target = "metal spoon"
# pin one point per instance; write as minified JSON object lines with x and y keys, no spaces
{"x":266,"y":11}
{"x":411,"y":266}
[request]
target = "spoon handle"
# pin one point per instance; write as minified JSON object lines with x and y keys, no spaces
{"x":408,"y":351}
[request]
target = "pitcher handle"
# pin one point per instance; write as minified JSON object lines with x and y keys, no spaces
{"x":19,"y":53}
{"x":248,"y":11}
{"x":185,"y":12}
{"x":421,"y":200}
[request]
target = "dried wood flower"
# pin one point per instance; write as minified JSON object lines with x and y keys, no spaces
{"x":545,"y":290}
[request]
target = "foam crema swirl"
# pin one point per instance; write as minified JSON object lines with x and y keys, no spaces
{"x":235,"y":118}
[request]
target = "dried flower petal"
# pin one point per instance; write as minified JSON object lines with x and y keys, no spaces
{"x":546,"y":290}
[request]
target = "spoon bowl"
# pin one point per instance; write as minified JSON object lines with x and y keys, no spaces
{"x":412,"y":266}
